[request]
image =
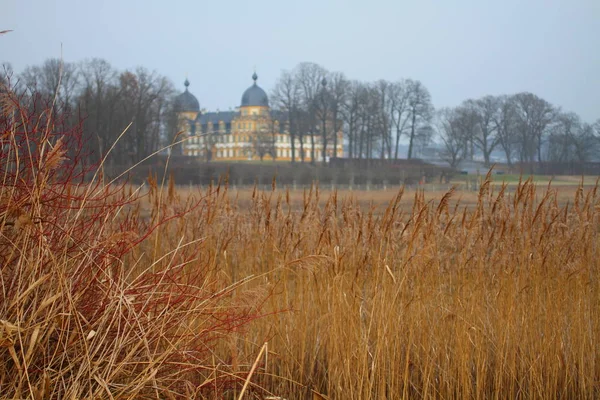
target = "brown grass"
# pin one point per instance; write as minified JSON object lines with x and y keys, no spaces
{"x":424,"y":298}
{"x":105,"y":294}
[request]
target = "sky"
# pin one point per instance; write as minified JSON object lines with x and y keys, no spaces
{"x":458,"y":49}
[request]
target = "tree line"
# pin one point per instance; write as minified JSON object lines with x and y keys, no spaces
{"x":108,"y":101}
{"x":525,"y":127}
{"x":376,"y":117}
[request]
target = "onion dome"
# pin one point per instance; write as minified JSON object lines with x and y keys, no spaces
{"x":187,"y":102}
{"x":254,"y":95}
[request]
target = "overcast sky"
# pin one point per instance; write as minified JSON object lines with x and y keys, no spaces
{"x":458,"y":48}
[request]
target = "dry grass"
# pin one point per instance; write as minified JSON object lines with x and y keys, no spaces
{"x":96,"y":301}
{"x":108,"y":292}
{"x":424,"y":298}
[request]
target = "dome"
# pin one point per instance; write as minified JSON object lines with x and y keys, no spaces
{"x":187,"y":102}
{"x":255,"y":96}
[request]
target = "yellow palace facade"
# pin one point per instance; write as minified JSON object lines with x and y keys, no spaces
{"x":252,"y":132}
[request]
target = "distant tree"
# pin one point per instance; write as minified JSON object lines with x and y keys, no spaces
{"x":468,"y":122}
{"x":586,"y":143}
{"x":384,"y":124}
{"x":424,"y":135}
{"x":400,"y":111}
{"x":485,"y":138}
{"x":171,"y":132}
{"x":310,"y":76}
{"x":287,"y":97}
{"x":144,"y":96}
{"x":323,"y":110}
{"x":560,"y":140}
{"x":534,"y":117}
{"x":6,"y":74}
{"x":451,"y":132}
{"x":506,"y":124}
{"x":263,"y":142}
{"x":369,"y":104}
{"x":98,"y":101}
{"x":54,"y":78}
{"x":351,"y":115}
{"x":208,"y":140}
{"x":420,"y":111}
{"x":113,"y":100}
{"x":571,"y":139}
{"x":338,"y":91}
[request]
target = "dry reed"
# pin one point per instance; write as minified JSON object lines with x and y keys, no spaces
{"x":115,"y":293}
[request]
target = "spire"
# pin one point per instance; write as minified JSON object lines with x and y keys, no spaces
{"x":254,"y":77}
{"x":186,"y":84}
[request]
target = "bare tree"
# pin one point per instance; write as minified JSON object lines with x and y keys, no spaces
{"x":534,"y":118}
{"x":144,"y":98}
{"x":571,"y":140}
{"x":469,"y":125}
{"x":6,"y":74}
{"x":368,"y":106}
{"x":310,"y":76}
{"x":351,"y":115}
{"x":385,"y":106}
{"x":98,"y":101}
{"x":322,"y":110}
{"x":505,"y":121}
{"x":112,"y":101}
{"x":451,"y":132}
{"x":420,"y":110}
{"x":338,"y":91}
{"x":485,"y":138}
{"x":561,"y":136}
{"x":53,"y":79}
{"x":286,"y":96}
{"x":263,"y":142}
{"x":585,"y":143}
{"x":400,"y":111}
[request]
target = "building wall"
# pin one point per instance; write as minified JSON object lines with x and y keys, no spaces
{"x":250,"y":125}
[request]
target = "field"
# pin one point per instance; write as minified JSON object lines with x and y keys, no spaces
{"x":424,"y":297}
{"x":112,"y":291}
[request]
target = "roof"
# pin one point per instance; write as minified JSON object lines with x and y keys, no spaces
{"x":255,"y":95}
{"x":187,"y":101}
{"x":216,"y":117}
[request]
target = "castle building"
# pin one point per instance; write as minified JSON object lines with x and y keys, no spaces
{"x":253,"y":131}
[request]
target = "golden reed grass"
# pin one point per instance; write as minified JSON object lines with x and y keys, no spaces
{"x":496,"y":300}
{"x":111,"y":292}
